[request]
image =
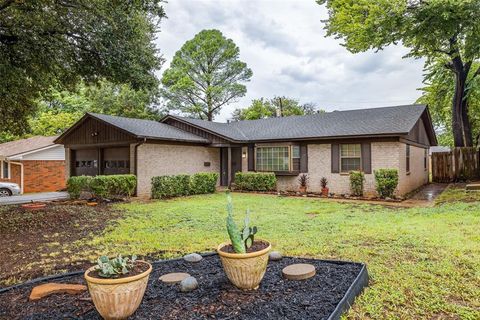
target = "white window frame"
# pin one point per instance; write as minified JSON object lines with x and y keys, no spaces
{"x":344,"y":157}
{"x":9,"y":170}
{"x":290,"y":154}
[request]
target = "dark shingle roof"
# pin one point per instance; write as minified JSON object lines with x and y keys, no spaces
{"x":393,"y":121}
{"x":149,"y":128}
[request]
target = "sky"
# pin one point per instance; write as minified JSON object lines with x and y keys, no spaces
{"x":284,"y":44}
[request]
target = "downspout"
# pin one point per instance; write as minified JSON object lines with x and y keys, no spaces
{"x":21,"y":174}
{"x":135,"y":168}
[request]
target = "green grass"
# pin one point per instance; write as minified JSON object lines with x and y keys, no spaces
{"x":423,"y":262}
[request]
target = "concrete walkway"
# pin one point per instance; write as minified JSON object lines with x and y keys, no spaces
{"x":425,"y":197}
{"x":34,"y":197}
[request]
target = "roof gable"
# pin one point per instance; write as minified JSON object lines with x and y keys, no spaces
{"x":22,"y":146}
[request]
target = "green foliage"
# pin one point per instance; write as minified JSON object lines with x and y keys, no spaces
{"x":103,"y":187}
{"x":386,"y":181}
{"x":255,"y":181}
{"x":110,"y":268}
{"x":357,"y":178}
{"x":50,"y":123}
{"x":75,"y":185}
{"x":248,"y":233}
{"x":303,"y":180}
{"x":205,"y":75}
{"x":232,"y":229}
{"x":203,"y":182}
{"x":183,"y":185}
{"x":46,"y":44}
{"x":323,"y":182}
{"x":263,"y":108}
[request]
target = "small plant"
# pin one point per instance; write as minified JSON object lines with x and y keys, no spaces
{"x":357,"y":178}
{"x":386,"y":181}
{"x":109,"y":268}
{"x":303,"y":180}
{"x":324,"y":182}
{"x":241,"y":240}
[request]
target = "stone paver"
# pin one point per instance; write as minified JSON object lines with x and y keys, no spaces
{"x":175,"y":277}
{"x":299,"y":271}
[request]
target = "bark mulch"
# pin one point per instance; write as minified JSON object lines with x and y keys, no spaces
{"x":216,"y":298}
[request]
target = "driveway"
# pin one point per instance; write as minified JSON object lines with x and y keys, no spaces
{"x":34,"y":197}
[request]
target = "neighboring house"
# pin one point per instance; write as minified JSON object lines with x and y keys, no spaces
{"x":37,"y":164}
{"x":321,"y":145}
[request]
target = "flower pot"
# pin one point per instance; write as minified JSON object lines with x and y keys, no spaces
{"x":117,"y":298}
{"x":245,"y":270}
{"x":325,"y":192}
{"x":303,"y":189}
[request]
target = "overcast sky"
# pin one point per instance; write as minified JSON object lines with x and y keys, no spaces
{"x":284,"y":44}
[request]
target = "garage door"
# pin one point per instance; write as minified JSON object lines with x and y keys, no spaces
{"x":116,"y":161}
{"x":85,"y":162}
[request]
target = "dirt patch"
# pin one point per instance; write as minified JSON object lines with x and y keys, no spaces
{"x":36,"y":242}
{"x":216,"y":298}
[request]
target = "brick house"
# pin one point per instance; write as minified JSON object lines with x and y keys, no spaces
{"x":321,"y":145}
{"x":37,"y":164}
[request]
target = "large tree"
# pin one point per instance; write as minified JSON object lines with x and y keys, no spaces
{"x":205,"y":75}
{"x":438,"y":30}
{"x":45,"y":43}
{"x":275,"y":107}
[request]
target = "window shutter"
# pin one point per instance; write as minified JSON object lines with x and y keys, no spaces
{"x":303,"y":158}
{"x":335,"y":157}
{"x":251,"y":158}
{"x":367,"y":158}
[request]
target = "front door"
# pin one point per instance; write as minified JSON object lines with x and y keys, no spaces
{"x":236,"y":161}
{"x":224,"y":167}
{"x":235,"y":164}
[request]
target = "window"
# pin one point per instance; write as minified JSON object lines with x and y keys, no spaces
{"x":273,"y":158}
{"x":425,"y":159}
{"x":296,"y":158}
{"x":408,"y":159}
{"x":350,"y":157}
{"x":5,"y":170}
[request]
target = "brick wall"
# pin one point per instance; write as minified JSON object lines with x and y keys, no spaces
{"x":42,"y":176}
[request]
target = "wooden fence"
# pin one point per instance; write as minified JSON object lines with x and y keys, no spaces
{"x":457,"y":165}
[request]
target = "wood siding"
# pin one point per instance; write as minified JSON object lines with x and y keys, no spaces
{"x":418,"y":134}
{"x":214,"y":139}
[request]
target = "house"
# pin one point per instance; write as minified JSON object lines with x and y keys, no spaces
{"x":321,"y":145}
{"x":37,"y":164}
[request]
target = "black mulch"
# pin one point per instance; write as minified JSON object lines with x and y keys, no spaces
{"x":216,"y":298}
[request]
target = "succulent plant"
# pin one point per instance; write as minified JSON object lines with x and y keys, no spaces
{"x":323,"y":182}
{"x":303,"y":180}
{"x":241,"y":240}
{"x":109,"y":268}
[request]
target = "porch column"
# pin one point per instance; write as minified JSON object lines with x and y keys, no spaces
{"x":229,"y":166}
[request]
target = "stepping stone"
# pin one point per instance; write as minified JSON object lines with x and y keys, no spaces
{"x":174,"y":277}
{"x":192,"y":257}
{"x":275,"y":256}
{"x":47,"y":289}
{"x":188,"y":284}
{"x":299,"y":271}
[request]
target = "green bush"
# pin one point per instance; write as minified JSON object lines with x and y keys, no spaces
{"x":357,"y":178}
{"x":170,"y":186}
{"x":75,"y":185}
{"x":386,"y":181}
{"x":104,"y":187}
{"x":203,"y":182}
{"x":255,"y":181}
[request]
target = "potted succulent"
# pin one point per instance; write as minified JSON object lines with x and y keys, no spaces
{"x":244,"y":259}
{"x":323,"y":183}
{"x":117,"y":285}
{"x":303,"y":180}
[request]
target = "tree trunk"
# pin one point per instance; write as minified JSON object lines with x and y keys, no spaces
{"x":457,"y":108}
{"x":467,"y":127}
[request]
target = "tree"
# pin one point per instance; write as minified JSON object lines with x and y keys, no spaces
{"x":438,"y":93}
{"x":276,"y":107}
{"x":205,"y":75}
{"x":46,"y":44}
{"x":442,"y":31}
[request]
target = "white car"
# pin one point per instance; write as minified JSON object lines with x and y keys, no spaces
{"x":9,"y":189}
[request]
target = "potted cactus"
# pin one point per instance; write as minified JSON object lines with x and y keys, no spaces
{"x":303,"y":180}
{"x":323,"y":183}
{"x":117,"y":285}
{"x":244,"y":259}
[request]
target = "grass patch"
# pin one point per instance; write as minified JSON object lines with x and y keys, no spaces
{"x":423,"y":262}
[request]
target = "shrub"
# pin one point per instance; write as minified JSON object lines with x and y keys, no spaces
{"x":104,"y":187}
{"x":203,"y":182}
{"x":75,"y":185}
{"x":255,"y":181}
{"x":357,"y":178}
{"x":386,"y":181}
{"x":170,"y":186}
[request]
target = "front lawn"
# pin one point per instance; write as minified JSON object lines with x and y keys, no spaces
{"x":423,"y":262}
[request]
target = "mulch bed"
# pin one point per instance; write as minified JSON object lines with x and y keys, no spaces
{"x":216,"y":298}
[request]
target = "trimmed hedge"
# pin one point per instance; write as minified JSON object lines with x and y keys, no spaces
{"x":357,"y":178}
{"x":103,"y":187}
{"x":386,"y":181}
{"x":183,"y":185}
{"x":255,"y":181}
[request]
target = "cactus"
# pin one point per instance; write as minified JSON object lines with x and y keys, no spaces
{"x":232,"y":229}
{"x":248,"y":232}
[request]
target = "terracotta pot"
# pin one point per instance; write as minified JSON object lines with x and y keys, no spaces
{"x":303,"y":189}
{"x":244,"y":270}
{"x":325,"y":192}
{"x":34,"y":206}
{"x":117,"y":298}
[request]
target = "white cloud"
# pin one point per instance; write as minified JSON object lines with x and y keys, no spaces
{"x":284,"y":44}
